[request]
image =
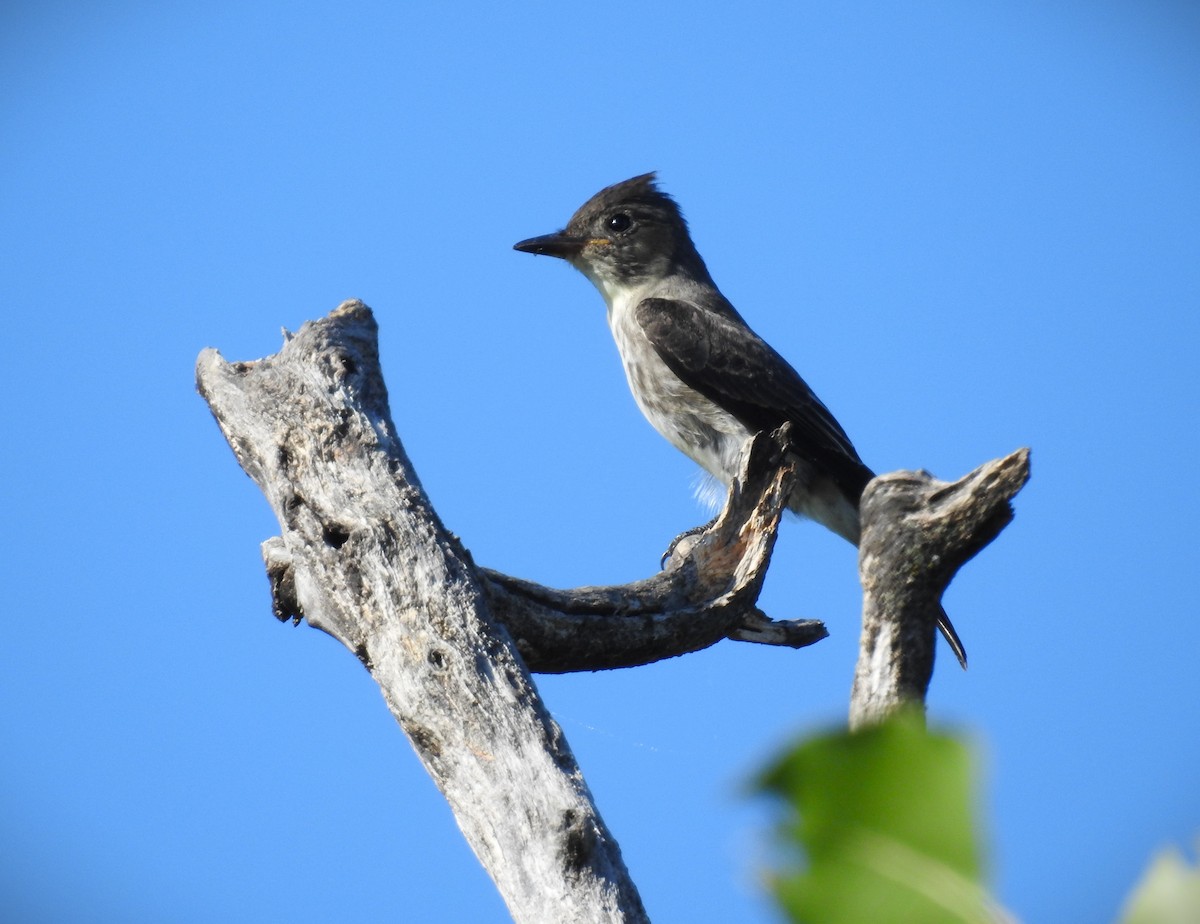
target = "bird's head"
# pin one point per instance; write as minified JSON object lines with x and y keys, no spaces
{"x":624,"y":236}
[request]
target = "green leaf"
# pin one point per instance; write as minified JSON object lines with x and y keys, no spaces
{"x":884,"y":819}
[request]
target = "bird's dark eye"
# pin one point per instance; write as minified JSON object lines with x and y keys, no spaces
{"x":619,"y":222}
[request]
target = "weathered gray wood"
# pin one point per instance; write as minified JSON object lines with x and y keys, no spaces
{"x":364,"y":557}
{"x":599,"y":628}
{"x":369,"y":563}
{"x":707,"y":592}
{"x":917,"y":532}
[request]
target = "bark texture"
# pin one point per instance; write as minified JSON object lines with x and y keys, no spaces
{"x":364,"y":557}
{"x":917,"y":532}
{"x":363,"y":553}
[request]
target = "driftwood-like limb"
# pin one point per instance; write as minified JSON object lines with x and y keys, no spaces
{"x":705,"y":595}
{"x":917,"y":532}
{"x":625,"y":625}
{"x":365,"y":558}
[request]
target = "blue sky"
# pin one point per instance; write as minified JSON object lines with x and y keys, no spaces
{"x":970,"y":227}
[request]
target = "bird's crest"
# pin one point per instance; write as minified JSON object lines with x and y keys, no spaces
{"x":637,"y":191}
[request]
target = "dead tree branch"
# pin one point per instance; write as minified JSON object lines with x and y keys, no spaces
{"x":364,"y":557}
{"x":917,"y":532}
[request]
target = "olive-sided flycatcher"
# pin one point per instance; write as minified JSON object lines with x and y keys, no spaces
{"x":701,"y":376}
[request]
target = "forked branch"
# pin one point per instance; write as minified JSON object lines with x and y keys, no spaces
{"x":363,"y":556}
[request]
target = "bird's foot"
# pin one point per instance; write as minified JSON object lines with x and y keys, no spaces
{"x":682,"y":544}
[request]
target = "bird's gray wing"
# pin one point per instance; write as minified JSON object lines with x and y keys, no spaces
{"x":715,"y":353}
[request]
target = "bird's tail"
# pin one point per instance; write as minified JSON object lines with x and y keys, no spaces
{"x":951,"y":637}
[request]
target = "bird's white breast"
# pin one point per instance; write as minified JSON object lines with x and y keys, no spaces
{"x":689,"y":421}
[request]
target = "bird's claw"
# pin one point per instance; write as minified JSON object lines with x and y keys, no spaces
{"x":682,"y":544}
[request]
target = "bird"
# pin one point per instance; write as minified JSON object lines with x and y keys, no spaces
{"x":700,"y":375}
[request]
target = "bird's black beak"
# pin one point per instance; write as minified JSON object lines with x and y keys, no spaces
{"x":558,"y":244}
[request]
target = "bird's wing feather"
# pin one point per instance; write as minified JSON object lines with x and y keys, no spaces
{"x":715,"y":353}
